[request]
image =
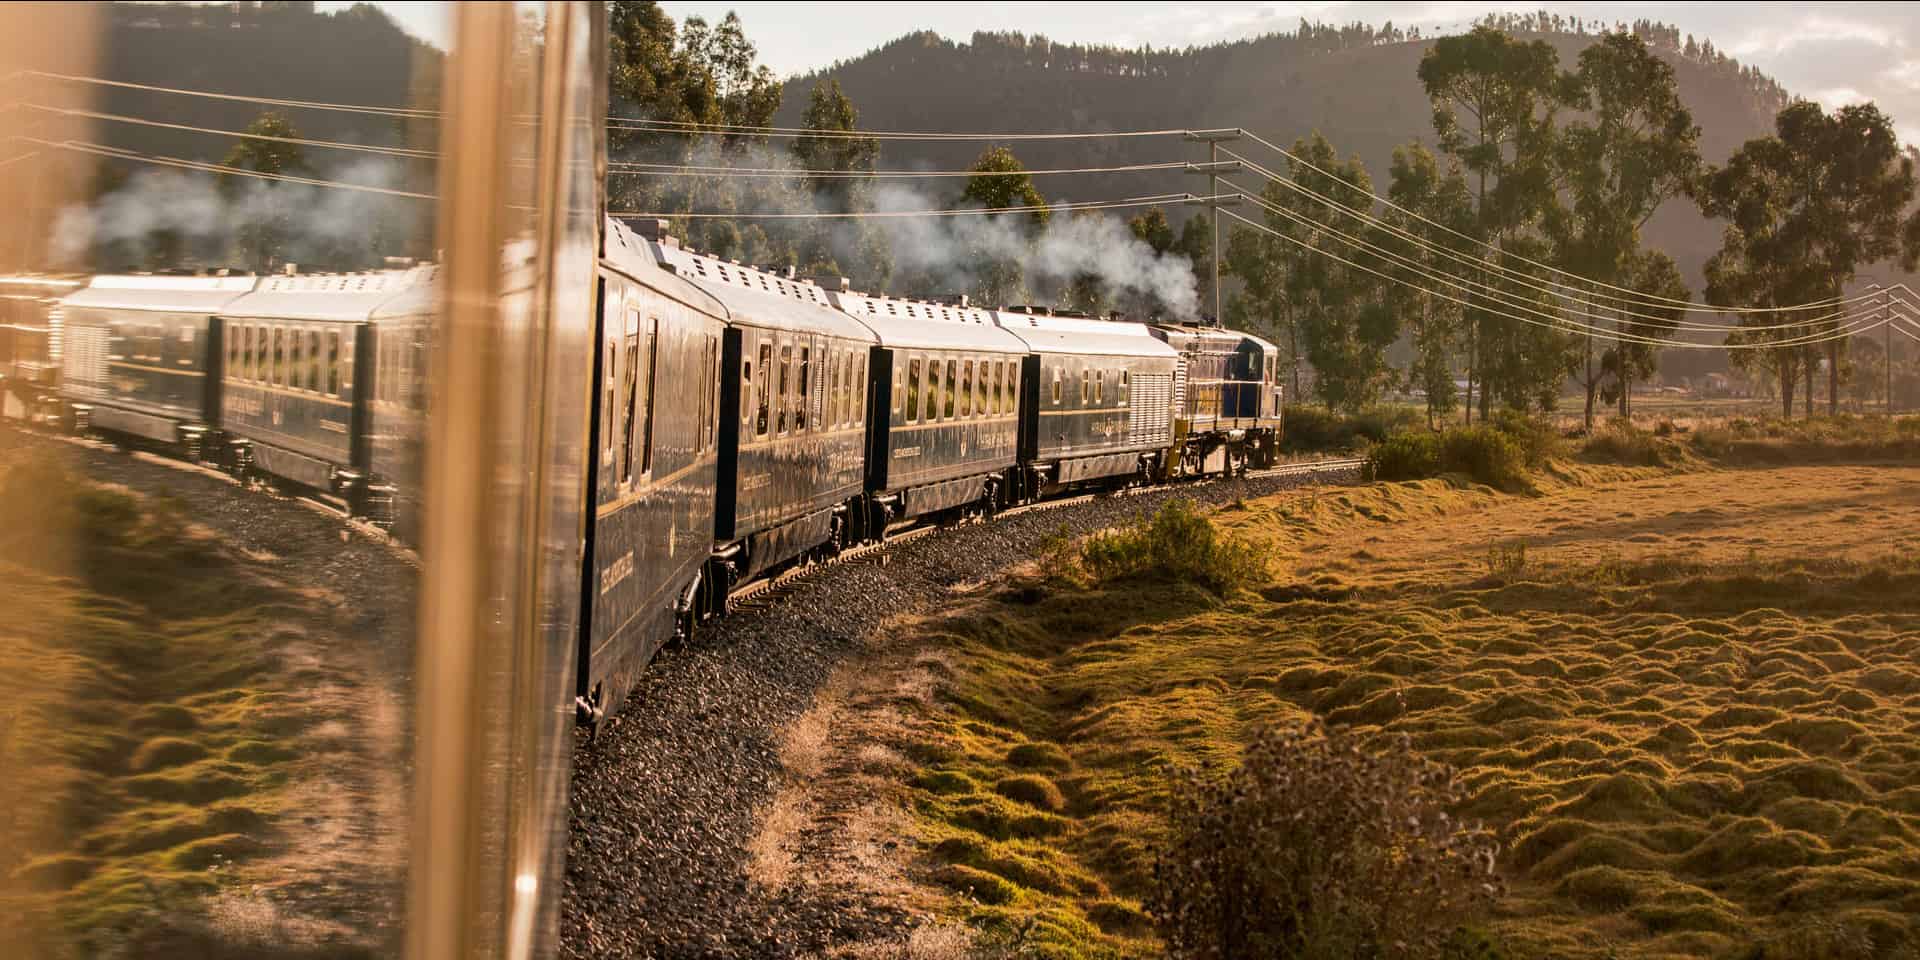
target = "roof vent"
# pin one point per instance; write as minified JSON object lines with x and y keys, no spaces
{"x":650,"y":228}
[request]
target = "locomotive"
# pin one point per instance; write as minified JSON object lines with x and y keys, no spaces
{"x":743,"y":420}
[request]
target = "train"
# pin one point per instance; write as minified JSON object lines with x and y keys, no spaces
{"x":743,"y":420}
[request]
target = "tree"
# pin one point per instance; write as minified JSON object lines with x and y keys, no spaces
{"x":1635,"y":147}
{"x":1431,"y":196}
{"x":265,"y":217}
{"x":692,"y":74}
{"x":1153,"y":229}
{"x":1006,"y":186}
{"x":1806,"y":208}
{"x":1494,"y":103}
{"x":1653,"y":273}
{"x":824,"y":244}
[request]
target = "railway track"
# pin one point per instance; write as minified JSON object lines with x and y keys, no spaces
{"x":766,"y":592}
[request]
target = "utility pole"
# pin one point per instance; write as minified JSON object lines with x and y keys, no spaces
{"x":1213,"y":139}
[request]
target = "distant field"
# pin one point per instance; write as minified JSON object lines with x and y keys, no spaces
{"x":1690,"y":702}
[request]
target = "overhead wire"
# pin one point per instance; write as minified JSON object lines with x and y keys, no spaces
{"x":721,"y":171}
{"x":1502,"y":296}
{"x":1842,"y":332}
{"x":117,"y":153}
{"x":693,"y":127}
{"x":1642,"y":297}
{"x":1529,"y":280}
{"x":401,"y":112}
{"x":1067,"y":205}
{"x":404,"y":152}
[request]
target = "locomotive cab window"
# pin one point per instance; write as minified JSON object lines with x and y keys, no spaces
{"x":1056,"y":386}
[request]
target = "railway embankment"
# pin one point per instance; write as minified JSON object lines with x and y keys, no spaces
{"x":1681,"y":695}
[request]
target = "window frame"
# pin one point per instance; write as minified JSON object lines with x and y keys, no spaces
{"x":966,"y":389}
{"x":763,"y":390}
{"x":913,"y":368}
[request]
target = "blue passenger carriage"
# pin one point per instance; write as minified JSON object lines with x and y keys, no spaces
{"x":140,"y":362}
{"x":1096,"y":404}
{"x":946,"y":387}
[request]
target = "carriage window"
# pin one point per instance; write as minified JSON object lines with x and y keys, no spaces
{"x":346,"y":364}
{"x":294,"y":361}
{"x":949,"y":387}
{"x":966,"y":388}
{"x":629,"y":400}
{"x":1056,"y":385}
{"x":980,"y":389}
{"x":991,"y":383}
{"x":1086,"y":387}
{"x":609,"y":375}
{"x":333,"y":362}
{"x":243,"y":369}
{"x":834,"y":360}
{"x":1126,"y":386}
{"x":786,"y":388}
{"x":1099,"y":386}
{"x":651,"y":358}
{"x":279,"y":359}
{"x":899,"y":384}
{"x":913,"y":390}
{"x":314,"y":379}
{"x":860,"y":396}
{"x":233,"y":353}
{"x":1013,"y":386}
{"x":803,"y":410}
{"x":933,"y":390}
{"x":760,"y":386}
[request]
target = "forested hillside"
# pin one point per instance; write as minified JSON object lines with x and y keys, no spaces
{"x":1354,"y":84}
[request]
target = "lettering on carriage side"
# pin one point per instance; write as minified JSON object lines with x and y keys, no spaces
{"x":906,"y":453}
{"x":242,"y":406}
{"x":333,"y":426}
{"x":620,"y":569}
{"x":755,"y":481}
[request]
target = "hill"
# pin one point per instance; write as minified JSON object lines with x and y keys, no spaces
{"x":1355,"y":84}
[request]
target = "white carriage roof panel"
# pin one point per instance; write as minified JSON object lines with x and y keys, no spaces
{"x":758,"y":298}
{"x":163,"y":294}
{"x":419,"y":295}
{"x":1078,"y":335}
{"x":633,"y":255}
{"x":1199,"y":338}
{"x":329,"y":297}
{"x":923,"y":325}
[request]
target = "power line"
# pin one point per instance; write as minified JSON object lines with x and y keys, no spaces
{"x":1509,"y":297}
{"x":718,"y":171}
{"x":220,"y":168}
{"x":406,"y":152}
{"x":692,"y":127}
{"x":1558,"y":324}
{"x":1068,"y":206}
{"x":1528,"y":280}
{"x":1640,"y":297}
{"x":403,"y":112}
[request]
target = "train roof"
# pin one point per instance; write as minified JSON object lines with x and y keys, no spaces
{"x":1221,"y":339}
{"x":934,"y":326}
{"x":139,"y":291}
{"x":1082,"y":335}
{"x":758,"y":298}
{"x":630,"y":253}
{"x":328,"y":297}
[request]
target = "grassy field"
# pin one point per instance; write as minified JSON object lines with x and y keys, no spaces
{"x":162,"y":716}
{"x":1688,"y":701}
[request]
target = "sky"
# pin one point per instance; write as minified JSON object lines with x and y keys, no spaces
{"x":1835,"y":53}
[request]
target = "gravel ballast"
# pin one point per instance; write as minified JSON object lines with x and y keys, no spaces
{"x":665,"y":796}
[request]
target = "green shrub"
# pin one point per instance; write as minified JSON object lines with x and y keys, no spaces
{"x":1316,"y":847}
{"x":1533,"y":437}
{"x":1487,"y":454}
{"x":1311,"y":429}
{"x":1179,"y":543}
{"x":1405,"y":456}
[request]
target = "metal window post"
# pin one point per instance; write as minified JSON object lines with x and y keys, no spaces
{"x":1213,"y":169}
